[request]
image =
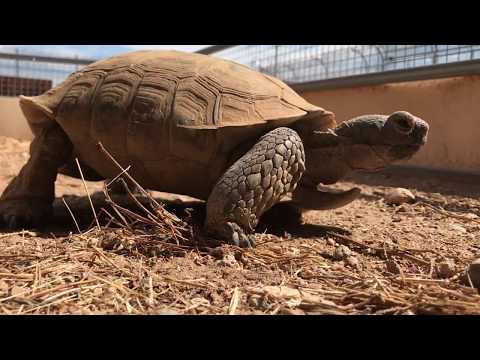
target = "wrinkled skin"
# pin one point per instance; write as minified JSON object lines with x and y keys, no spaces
{"x":284,"y":161}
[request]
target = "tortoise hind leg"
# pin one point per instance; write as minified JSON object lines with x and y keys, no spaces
{"x":253,"y":184}
{"x":27,"y":200}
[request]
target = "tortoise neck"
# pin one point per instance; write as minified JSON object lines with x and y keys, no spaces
{"x":325,"y":165}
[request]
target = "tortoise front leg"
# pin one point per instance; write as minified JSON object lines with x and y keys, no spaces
{"x":251,"y":186}
{"x":27,"y":200}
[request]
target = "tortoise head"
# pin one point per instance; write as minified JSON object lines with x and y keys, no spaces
{"x":369,"y":142}
{"x":379,"y":140}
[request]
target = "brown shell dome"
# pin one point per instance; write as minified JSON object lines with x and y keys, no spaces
{"x":191,"y":90}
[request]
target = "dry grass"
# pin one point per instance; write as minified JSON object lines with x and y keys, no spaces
{"x":85,"y":274}
{"x":151,"y":261}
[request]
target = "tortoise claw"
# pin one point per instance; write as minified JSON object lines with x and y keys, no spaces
{"x":236,"y":236}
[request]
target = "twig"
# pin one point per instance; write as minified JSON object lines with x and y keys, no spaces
{"x":449,"y":213}
{"x":379,"y":251}
{"x":88,"y":194}
{"x":119,"y":175}
{"x":234,"y":301}
{"x":71,"y":214}
{"x":139,"y":187}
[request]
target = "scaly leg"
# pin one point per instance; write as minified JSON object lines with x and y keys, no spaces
{"x":251,"y":186}
{"x":27,"y":200}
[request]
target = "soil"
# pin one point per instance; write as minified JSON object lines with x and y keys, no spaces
{"x":365,"y":258}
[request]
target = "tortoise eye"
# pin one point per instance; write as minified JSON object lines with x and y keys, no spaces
{"x":404,"y":124}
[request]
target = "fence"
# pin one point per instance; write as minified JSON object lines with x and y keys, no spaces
{"x":332,"y":65}
{"x":297,"y":64}
{"x":22,"y":74}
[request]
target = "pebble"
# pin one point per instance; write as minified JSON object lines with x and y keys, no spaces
{"x":217,"y":253}
{"x":342,"y":252}
{"x":392,"y":267}
{"x":403,"y":208}
{"x":228,"y":260}
{"x":255,"y":301}
{"x":353,"y":262}
{"x":98,"y":291}
{"x":398,"y":196}
{"x":331,"y":242}
{"x":446,"y":269}
{"x":458,"y":228}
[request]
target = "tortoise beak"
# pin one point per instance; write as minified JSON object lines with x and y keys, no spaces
{"x":420,"y":133}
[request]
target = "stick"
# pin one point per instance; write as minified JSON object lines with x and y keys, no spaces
{"x":234,"y":302}
{"x":88,"y":194}
{"x":139,"y":187}
{"x":116,"y":177}
{"x":71,"y":214}
{"x":379,"y":251}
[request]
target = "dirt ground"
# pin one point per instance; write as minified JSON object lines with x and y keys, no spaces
{"x":365,"y":258}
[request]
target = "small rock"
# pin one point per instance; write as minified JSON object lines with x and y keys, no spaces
{"x":438,"y":198}
{"x":399,"y":196}
{"x":474,"y":273}
{"x":446,"y":269}
{"x":110,"y":241}
{"x":392,"y":267}
{"x":458,"y":229}
{"x":255,"y":301}
{"x":353,"y":262}
{"x":470,"y":216}
{"x":228,"y":260}
{"x":342,"y":252}
{"x":331,"y":242}
{"x":98,"y":291}
{"x":217,"y":253}
{"x":403,"y":208}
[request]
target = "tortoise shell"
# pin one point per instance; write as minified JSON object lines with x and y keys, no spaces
{"x":192,"y":90}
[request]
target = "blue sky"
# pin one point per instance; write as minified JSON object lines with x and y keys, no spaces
{"x":91,"y":51}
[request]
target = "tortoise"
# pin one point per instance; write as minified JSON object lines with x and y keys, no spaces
{"x":201,"y":126}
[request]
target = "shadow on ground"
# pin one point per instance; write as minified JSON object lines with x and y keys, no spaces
{"x":428,"y":181}
{"x":279,"y":220}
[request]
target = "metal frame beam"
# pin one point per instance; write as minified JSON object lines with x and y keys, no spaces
{"x":47,"y":59}
{"x":470,"y":67}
